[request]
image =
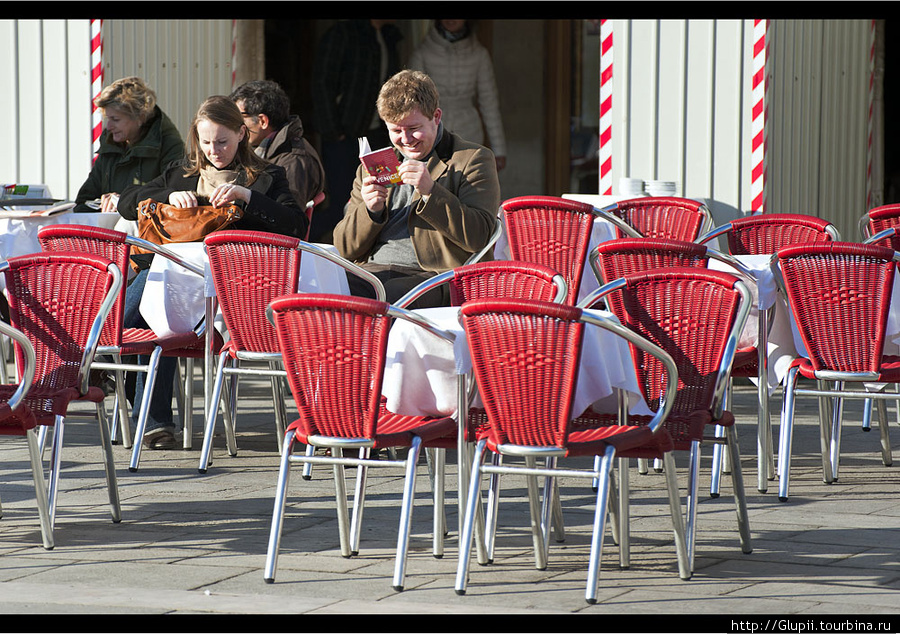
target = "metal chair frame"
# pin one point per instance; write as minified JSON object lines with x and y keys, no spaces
{"x":831,"y":399}
{"x":230,"y":358}
{"x":35,"y":328}
{"x":795,"y":224}
{"x":540,"y":518}
{"x":350,"y":527}
{"x":717,"y":405}
{"x":163,"y":346}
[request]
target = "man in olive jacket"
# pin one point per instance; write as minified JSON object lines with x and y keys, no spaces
{"x":443,"y":211}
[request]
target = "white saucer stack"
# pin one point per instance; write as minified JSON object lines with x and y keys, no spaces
{"x":631,"y":187}
{"x":660,"y":188}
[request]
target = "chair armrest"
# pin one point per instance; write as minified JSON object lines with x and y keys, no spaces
{"x":347,"y":265}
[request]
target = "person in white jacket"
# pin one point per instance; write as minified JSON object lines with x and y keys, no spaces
{"x":464,"y":75}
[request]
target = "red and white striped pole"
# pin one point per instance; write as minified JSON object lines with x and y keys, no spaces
{"x":606,"y":71}
{"x":233,"y":51}
{"x":758,"y":124}
{"x":96,"y":84}
{"x":869,"y":138}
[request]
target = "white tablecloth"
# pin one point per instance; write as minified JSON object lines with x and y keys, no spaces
{"x":421,"y":371}
{"x":174,"y":298}
{"x":18,"y":236}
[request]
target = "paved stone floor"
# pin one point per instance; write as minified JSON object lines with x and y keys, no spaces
{"x":196,"y":544}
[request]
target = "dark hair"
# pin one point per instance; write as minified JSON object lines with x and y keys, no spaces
{"x":223,"y":111}
{"x":264,"y":97}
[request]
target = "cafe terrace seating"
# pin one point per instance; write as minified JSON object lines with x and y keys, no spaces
{"x":662,"y":217}
{"x":250,"y":269}
{"x":334,"y":348}
{"x":515,"y":346}
{"x":696,"y":316}
{"x":117,"y":340}
{"x":17,"y":419}
{"x":554,"y":232}
{"x":60,"y":301}
{"x":840,"y":297}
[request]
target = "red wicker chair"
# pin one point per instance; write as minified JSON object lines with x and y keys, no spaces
{"x":118,"y":341}
{"x":696,"y":315}
{"x":249,"y":270}
{"x":663,"y":217}
{"x":554,"y":232}
{"x":840,"y":297}
{"x":515,"y":346}
{"x":334,"y":350}
{"x":60,"y":301}
{"x":764,"y":234}
{"x":17,"y":419}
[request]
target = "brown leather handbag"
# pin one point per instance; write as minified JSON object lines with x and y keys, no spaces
{"x":162,"y":224}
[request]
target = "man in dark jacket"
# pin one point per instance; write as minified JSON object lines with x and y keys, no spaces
{"x":277,"y":136}
{"x":353,"y":60}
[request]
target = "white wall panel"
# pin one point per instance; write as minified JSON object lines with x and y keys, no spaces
{"x":45,"y":68}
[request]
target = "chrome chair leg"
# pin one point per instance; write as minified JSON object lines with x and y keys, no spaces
{"x":885,"y":438}
{"x":40,"y":489}
{"x":493,"y":504}
{"x":340,"y":496}
{"x":600,"y":512}
{"x":211,"y":416}
{"x":737,"y":481}
{"x":786,"y":434}
{"x":406,"y":510}
{"x":149,"y":384}
{"x":468,"y":527}
{"x":55,"y":463}
{"x":359,"y":500}
{"x":681,"y":550}
{"x":284,"y":473}
{"x":438,"y":460}
{"x":109,"y":464}
{"x":692,"y":501}
{"x":537,"y":533}
{"x":188,"y":409}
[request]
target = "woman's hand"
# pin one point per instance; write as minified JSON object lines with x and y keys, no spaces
{"x":228,"y":193}
{"x":183,"y":200}
{"x":109,"y":202}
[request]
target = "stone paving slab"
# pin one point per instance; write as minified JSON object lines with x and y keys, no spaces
{"x":196,"y":544}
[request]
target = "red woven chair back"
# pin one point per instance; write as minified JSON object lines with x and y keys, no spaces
{"x":840,"y":296}
{"x":334,"y":347}
{"x":502,"y":278}
{"x":552,"y":231}
{"x":525,"y":357}
{"x":885,"y":217}
{"x":767,"y":233}
{"x":249,"y":270}
{"x":626,"y":256}
{"x":689,"y":313}
{"x":54,"y":299}
{"x":662,"y":217}
{"x":107,"y":243}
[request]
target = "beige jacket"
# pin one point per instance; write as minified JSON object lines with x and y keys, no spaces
{"x":456,"y":221}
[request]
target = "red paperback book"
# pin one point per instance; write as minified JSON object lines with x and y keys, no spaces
{"x":383,"y":164}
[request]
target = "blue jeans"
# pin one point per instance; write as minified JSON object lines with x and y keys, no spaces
{"x":160,"y":415}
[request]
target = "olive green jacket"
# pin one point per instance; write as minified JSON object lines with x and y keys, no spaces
{"x":118,"y":167}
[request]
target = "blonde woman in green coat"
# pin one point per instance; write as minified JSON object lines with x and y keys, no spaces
{"x":138,"y":142}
